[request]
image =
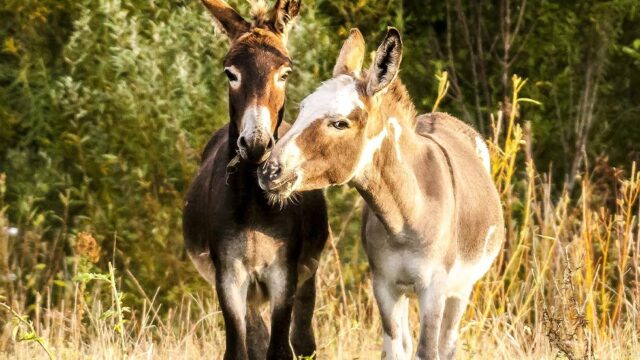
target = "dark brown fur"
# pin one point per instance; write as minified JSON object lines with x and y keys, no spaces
{"x":252,"y":251}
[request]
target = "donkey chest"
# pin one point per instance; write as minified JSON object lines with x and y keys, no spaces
{"x":255,"y":249}
{"x":406,"y":261}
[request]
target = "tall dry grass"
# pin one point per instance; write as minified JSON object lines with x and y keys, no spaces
{"x":565,"y":285}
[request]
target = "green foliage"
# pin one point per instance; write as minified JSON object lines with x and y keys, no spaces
{"x":23,"y":330}
{"x":117,"y":310}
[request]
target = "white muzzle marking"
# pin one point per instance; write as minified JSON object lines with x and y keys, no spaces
{"x":256,"y":120}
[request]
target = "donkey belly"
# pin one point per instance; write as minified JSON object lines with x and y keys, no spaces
{"x":409,"y":264}
{"x":202,"y":261}
{"x":408,"y":272}
{"x":405,"y":271}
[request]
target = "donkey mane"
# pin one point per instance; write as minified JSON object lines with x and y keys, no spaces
{"x":396,"y":102}
{"x":262,"y":15}
{"x":259,"y":13}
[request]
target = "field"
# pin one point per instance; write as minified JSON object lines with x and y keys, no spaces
{"x":566,"y":285}
{"x":105,"y":107}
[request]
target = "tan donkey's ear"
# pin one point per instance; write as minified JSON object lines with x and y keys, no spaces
{"x":226,"y":18}
{"x":386,"y":64}
{"x":351,"y":56}
{"x":282,"y":13}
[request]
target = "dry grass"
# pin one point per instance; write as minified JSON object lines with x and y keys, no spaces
{"x":565,"y":286}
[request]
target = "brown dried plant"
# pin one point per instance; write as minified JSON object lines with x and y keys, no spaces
{"x":87,"y":246}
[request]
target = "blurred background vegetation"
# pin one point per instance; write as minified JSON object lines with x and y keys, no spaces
{"x":105,"y":106}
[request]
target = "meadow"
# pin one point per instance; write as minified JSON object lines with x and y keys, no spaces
{"x":105,"y":107}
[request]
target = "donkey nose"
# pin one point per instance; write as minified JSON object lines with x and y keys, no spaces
{"x":255,"y":149}
{"x":243,"y":142}
{"x":273,"y":170}
{"x":270,"y":144}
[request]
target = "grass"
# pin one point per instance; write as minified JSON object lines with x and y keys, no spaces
{"x":565,"y":285}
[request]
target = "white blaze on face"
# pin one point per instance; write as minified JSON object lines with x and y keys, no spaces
{"x":235,"y":84}
{"x":335,"y":97}
{"x":255,"y":120}
{"x":483,"y":152}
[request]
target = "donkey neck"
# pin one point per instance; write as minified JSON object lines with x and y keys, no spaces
{"x":405,"y":177}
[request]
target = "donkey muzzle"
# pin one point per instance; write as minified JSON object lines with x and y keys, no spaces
{"x":273,"y":179}
{"x":255,"y":149}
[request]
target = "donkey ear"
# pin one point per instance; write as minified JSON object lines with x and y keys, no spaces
{"x":386,"y":63}
{"x":282,"y":13}
{"x":226,"y":18}
{"x":351,"y":56}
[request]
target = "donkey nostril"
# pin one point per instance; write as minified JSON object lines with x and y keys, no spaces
{"x":243,"y":142}
{"x":276,"y":171}
{"x":270,"y":144}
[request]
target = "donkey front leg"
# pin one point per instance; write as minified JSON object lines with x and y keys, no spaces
{"x":407,"y":341}
{"x":282,"y":287}
{"x":302,"y":337}
{"x":257,"y":334}
{"x":391,"y":309}
{"x":231,"y":286}
{"x":432,"y":301}
{"x":453,"y":311}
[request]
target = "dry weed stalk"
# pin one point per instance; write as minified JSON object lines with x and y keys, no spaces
{"x":517,"y":309}
{"x":565,"y":323}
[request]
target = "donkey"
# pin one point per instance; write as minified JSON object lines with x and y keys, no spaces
{"x":433,"y":222}
{"x":252,"y":251}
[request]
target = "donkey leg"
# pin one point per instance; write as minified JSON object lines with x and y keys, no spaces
{"x":453,"y":311}
{"x":231,"y":287}
{"x":390,"y":308}
{"x":432,"y":302}
{"x":302,"y":338}
{"x":282,"y":287}
{"x":257,"y":335}
{"x":407,"y":341}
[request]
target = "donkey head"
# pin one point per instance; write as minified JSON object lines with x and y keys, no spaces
{"x":339,"y":126}
{"x":257,"y":66}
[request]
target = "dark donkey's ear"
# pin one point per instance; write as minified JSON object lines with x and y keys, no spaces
{"x":351,"y":56}
{"x":386,"y":64}
{"x":282,"y":13}
{"x":226,"y":18}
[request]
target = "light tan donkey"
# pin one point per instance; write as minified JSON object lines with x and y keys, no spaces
{"x":433,"y":223}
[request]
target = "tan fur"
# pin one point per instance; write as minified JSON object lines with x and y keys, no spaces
{"x":258,"y":53}
{"x":227,"y":20}
{"x":433,"y":222}
{"x":351,"y":56}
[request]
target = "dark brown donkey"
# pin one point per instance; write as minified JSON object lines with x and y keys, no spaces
{"x":252,"y":251}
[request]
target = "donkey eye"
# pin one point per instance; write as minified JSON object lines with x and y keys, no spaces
{"x":230,"y":75}
{"x":340,"y":124}
{"x":284,"y":76}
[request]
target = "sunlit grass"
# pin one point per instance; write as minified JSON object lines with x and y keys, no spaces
{"x":566,"y":284}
